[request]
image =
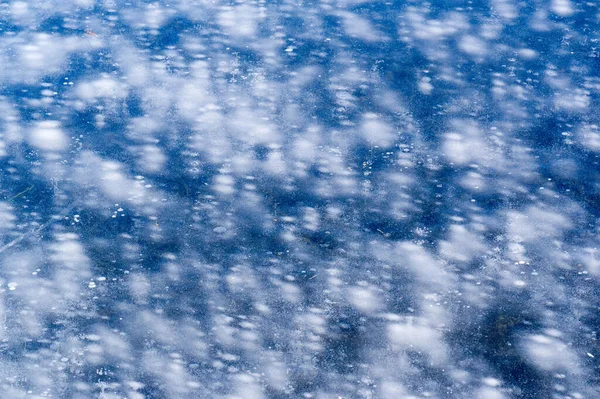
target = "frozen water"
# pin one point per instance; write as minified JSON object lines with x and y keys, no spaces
{"x":287,"y":199}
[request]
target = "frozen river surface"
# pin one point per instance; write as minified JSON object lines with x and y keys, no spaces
{"x":299,"y":199}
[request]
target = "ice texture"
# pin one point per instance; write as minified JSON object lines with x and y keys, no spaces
{"x":299,"y":199}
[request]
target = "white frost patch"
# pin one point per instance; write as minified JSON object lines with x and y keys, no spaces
{"x":242,"y":278}
{"x":84,"y":3}
{"x":465,"y":144}
{"x":376,"y":132}
{"x":359,"y":27}
{"x":173,"y":376}
{"x":41,"y":54}
{"x":209,"y":137}
{"x":417,"y":259}
{"x":364,"y":299}
{"x":72,"y":265}
{"x":536,"y":223}
{"x":290,"y":292}
{"x":139,"y":287}
{"x":489,"y":393}
{"x":562,"y":8}
{"x":435,"y":29}
{"x":550,"y":354}
{"x":105,"y":87}
{"x":156,"y":16}
{"x":425,"y":86}
{"x":108,"y":176}
{"x":224,"y":184}
{"x":134,"y":64}
{"x":519,"y":283}
{"x":473,"y":181}
{"x":462,"y":246}
{"x":247,"y":387}
{"x":113,"y":182}
{"x":527,"y":53}
{"x":48,"y":136}
{"x":275,"y":163}
{"x":113,"y":344}
{"x":151,"y":16}
{"x":472,"y":45}
{"x":577,"y":100}
{"x":414,"y":335}
{"x":241,"y":20}
{"x":393,"y":390}
{"x":590,"y":258}
{"x":193,"y":97}
{"x":505,"y":8}
{"x":492,"y":382}
{"x":11,"y":126}
{"x":68,"y":252}
{"x":276,"y":371}
{"x":252,"y":128}
{"x":20,"y":12}
{"x":3,"y":323}
{"x":143,"y":128}
{"x":311,"y":219}
{"x":152,"y":159}
{"x":304,"y":148}
{"x":589,"y":136}
{"x":7,"y":218}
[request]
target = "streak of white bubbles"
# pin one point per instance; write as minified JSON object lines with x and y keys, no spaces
{"x":303,"y":199}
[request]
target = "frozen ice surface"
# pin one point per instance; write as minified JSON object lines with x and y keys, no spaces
{"x":287,"y":199}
